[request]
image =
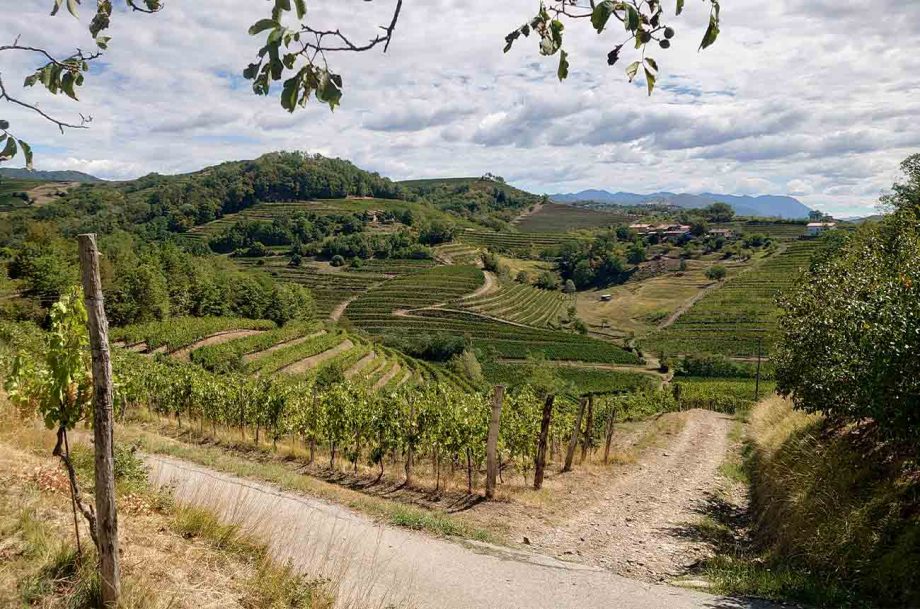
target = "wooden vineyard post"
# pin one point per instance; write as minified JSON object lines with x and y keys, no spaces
{"x":609,"y":438}
{"x":757,"y":385}
{"x":492,"y":441}
{"x":587,"y":439}
{"x":540,"y":462}
{"x":106,"y":516}
{"x":573,"y":443}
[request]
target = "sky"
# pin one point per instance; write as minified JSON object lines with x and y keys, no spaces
{"x":817,"y":99}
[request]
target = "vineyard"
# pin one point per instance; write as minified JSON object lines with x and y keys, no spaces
{"x":407,"y":307}
{"x":521,"y":303}
{"x":329,"y":288}
{"x":783,"y":231}
{"x":458,"y":253}
{"x":527,"y":245}
{"x":558,"y":218}
{"x":435,"y":425}
{"x":729,"y":395}
{"x":581,"y":380}
{"x":732,"y":319}
{"x":173,"y":334}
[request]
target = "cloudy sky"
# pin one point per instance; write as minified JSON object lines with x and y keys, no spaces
{"x":819,"y":99}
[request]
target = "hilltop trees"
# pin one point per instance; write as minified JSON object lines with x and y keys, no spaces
{"x":850,"y":333}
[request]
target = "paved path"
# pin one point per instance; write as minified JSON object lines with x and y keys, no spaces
{"x":380,"y":565}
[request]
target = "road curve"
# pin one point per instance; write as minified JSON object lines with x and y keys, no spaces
{"x":381,"y":565}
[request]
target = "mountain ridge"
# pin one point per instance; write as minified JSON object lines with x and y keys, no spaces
{"x":18,"y":173}
{"x":763,"y":205}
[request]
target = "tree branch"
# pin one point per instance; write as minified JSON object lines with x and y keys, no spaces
{"x":4,"y":95}
{"x":86,"y":510}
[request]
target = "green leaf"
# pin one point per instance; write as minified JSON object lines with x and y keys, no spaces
{"x":650,"y":80}
{"x":632,"y":70}
{"x":67,"y":83}
{"x":9,"y":151}
{"x":72,"y":7}
{"x":680,"y":6}
{"x":563,"y":71}
{"x":57,"y":6}
{"x":601,"y":14}
{"x":301,"y":7}
{"x":712,"y":32}
{"x":27,"y":152}
{"x":652,"y":63}
{"x":632,"y":22}
{"x":263,"y":24}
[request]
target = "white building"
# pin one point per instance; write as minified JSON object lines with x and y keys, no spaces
{"x":817,"y":228}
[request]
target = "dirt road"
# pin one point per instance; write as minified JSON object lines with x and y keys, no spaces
{"x":379,"y":565}
{"x":632,"y":524}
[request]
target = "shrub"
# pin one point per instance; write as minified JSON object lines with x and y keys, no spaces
{"x":716,"y":272}
{"x":337,"y":260}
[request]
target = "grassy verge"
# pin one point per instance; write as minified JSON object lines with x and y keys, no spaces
{"x":281,"y":474}
{"x":172,"y":557}
{"x":834,"y":518}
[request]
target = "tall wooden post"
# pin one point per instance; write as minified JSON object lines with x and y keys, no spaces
{"x":492,"y":441}
{"x":540,"y":461}
{"x":573,"y":443}
{"x":757,"y":385}
{"x":588,"y":437}
{"x":103,"y":428}
{"x":609,"y":438}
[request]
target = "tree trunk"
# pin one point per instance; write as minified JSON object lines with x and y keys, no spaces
{"x":573,"y":443}
{"x":103,"y":427}
{"x":492,"y":441}
{"x":588,"y":438}
{"x":540,"y":461}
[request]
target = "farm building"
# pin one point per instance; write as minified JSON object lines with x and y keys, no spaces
{"x":817,"y":228}
{"x":642,"y":229}
{"x":722,"y":232}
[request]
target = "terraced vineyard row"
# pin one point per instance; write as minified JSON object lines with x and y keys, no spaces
{"x":329,"y":289}
{"x":459,"y":253}
{"x":423,"y":289}
{"x":522,"y":244}
{"x":522,"y":304}
{"x":731,"y":319}
{"x":581,"y":380}
{"x":782,"y":231}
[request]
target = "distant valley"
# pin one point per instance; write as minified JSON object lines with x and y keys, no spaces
{"x":764,"y":205}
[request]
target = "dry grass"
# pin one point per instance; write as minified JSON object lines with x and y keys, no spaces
{"x":173,"y":557}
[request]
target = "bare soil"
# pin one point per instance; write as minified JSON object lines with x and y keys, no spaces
{"x":184,"y":354}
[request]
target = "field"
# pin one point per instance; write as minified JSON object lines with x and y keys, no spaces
{"x":557,"y":218}
{"x":637,"y":307}
{"x":522,"y":304}
{"x":732,"y":319}
{"x":175,"y":333}
{"x":9,"y":187}
{"x":528,"y":245}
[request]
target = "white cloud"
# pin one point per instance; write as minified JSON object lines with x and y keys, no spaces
{"x":808,"y":98}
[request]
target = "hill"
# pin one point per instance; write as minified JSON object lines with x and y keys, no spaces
{"x":487,"y":200}
{"x":744,"y":205}
{"x":17,"y":173}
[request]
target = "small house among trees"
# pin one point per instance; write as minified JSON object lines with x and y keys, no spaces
{"x":815,"y":229}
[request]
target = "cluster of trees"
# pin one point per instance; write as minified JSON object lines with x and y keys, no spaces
{"x":487,"y":201}
{"x":849,"y":332}
{"x":147,"y":281}
{"x":605,"y":260}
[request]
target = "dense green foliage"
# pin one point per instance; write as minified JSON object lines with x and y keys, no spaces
{"x":147,"y":282}
{"x":179,"y":332}
{"x":487,"y":200}
{"x":851,"y":331}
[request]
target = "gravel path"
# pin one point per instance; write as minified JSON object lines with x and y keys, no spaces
{"x":379,"y":565}
{"x":632,"y":525}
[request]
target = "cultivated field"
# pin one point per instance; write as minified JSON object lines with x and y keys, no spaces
{"x":558,"y":218}
{"x":521,"y":303}
{"x":732,"y":319}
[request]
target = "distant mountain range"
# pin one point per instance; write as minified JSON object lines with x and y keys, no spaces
{"x":14,"y":173}
{"x":764,"y":205}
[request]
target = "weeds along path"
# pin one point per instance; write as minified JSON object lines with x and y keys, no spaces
{"x":635,"y":523}
{"x":378,"y":565}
